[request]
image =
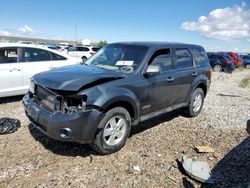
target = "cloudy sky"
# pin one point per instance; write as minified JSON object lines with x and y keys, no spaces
{"x":217,"y":25}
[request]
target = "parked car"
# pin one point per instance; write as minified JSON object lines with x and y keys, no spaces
{"x":237,"y":60}
{"x":19,"y":62}
{"x":221,"y":61}
{"x":83,"y":52}
{"x":53,"y":47}
{"x":123,"y":84}
{"x":246,"y":60}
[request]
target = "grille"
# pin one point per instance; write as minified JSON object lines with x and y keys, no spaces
{"x":45,"y":99}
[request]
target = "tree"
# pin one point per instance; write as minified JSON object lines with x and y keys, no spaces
{"x":102,"y":43}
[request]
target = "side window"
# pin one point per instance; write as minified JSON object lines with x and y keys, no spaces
{"x":162,"y":58}
{"x":57,"y":57}
{"x":220,"y":57}
{"x":9,"y":55}
{"x":200,"y":56}
{"x":33,"y":54}
{"x":183,"y":58}
{"x":85,"y":49}
{"x":72,"y":49}
{"x":213,"y":56}
{"x":80,"y":49}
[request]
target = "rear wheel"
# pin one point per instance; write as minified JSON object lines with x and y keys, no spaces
{"x":196,"y":102}
{"x":113,"y":131}
{"x":217,"y":68}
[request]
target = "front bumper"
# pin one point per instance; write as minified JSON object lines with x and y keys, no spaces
{"x":76,"y":127}
{"x":248,"y":126}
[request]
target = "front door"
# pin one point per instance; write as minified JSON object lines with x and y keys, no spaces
{"x":161,"y":88}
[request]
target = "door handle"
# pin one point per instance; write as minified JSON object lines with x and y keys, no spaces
{"x":170,"y":79}
{"x":15,"y":69}
{"x":194,"y":74}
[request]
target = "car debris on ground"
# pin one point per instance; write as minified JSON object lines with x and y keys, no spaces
{"x":8,"y":125}
{"x":197,"y":170}
{"x":204,"y":149}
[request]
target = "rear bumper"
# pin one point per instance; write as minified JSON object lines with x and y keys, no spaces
{"x":248,"y":126}
{"x":76,"y":127}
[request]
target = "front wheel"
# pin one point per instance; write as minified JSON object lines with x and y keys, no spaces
{"x":112,"y":131}
{"x":196,"y":102}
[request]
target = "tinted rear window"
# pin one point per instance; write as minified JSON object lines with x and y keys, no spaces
{"x":200,"y":56}
{"x":183,"y":58}
{"x":57,"y":57}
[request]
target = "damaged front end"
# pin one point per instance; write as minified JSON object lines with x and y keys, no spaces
{"x":57,"y":101}
{"x":70,"y":104}
{"x":62,"y":115}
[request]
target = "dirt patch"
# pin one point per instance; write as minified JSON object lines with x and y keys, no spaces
{"x":31,"y":159}
{"x":245,"y":82}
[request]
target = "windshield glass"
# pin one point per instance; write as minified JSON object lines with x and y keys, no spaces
{"x":118,"y":57}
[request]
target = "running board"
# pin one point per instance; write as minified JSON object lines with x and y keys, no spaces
{"x":163,"y":111}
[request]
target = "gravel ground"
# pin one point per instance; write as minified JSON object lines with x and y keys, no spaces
{"x":151,"y":156}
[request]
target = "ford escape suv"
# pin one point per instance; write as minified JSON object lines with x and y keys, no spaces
{"x":121,"y":85}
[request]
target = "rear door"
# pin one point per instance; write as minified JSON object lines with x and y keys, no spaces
{"x":185,"y":73}
{"x":34,"y":61}
{"x":11,"y":72}
{"x":59,"y":61}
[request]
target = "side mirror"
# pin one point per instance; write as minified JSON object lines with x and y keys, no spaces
{"x":153,"y":70}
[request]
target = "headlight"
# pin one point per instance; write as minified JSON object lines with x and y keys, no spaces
{"x":32,"y":87}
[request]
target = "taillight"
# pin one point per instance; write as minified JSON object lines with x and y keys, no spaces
{"x":228,"y":61}
{"x":210,"y":74}
{"x":92,"y":53}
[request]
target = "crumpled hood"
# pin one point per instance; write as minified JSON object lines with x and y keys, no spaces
{"x":74,"y":77}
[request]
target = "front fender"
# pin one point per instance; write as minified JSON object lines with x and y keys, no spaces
{"x":104,"y":97}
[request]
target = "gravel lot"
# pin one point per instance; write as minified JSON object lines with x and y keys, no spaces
{"x":151,"y":155}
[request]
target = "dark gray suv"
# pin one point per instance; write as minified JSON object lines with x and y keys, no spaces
{"x":121,"y":85}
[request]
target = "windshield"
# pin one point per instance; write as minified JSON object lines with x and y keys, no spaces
{"x":118,"y":57}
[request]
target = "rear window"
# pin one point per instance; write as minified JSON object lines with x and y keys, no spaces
{"x":33,"y":54}
{"x":183,"y":58}
{"x":200,"y":56}
{"x":57,"y":57}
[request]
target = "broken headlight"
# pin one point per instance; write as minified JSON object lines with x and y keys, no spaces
{"x":32,"y":87}
{"x":74,"y":104}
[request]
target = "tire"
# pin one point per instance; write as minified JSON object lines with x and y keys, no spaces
{"x":195,"y":103}
{"x":218,"y":68}
{"x":84,"y":59}
{"x":111,"y":135}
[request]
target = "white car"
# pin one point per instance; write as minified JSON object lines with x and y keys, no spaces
{"x":83,"y":52}
{"x":19,"y":62}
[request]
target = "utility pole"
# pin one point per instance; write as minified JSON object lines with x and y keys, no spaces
{"x":75,"y":36}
